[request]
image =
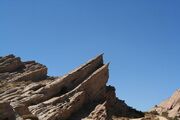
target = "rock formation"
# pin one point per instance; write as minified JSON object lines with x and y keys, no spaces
{"x":26,"y":92}
{"x":170,"y":107}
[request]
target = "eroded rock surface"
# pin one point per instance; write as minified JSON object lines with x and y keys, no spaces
{"x":81,"y":94}
{"x":170,"y":107}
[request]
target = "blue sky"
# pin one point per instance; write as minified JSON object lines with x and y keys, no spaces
{"x":140,"y":38}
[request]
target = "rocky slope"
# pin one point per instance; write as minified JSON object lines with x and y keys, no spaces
{"x":170,"y":107}
{"x":26,"y":92}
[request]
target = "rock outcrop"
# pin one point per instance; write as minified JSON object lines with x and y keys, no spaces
{"x":28,"y":93}
{"x":170,"y":107}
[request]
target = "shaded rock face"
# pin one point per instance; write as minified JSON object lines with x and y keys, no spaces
{"x":6,"y":111}
{"x":170,"y":107}
{"x":80,"y":94}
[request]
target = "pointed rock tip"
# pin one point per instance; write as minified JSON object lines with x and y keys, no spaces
{"x":105,"y":65}
{"x":100,"y":55}
{"x":108,"y":64}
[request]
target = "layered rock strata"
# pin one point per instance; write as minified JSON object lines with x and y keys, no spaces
{"x":29,"y":93}
{"x":170,"y":107}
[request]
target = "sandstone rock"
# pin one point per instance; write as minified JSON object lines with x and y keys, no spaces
{"x":170,"y":107}
{"x":99,"y":113}
{"x":80,"y":94}
{"x":10,"y":63}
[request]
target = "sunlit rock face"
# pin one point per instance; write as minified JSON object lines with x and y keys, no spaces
{"x":26,"y":92}
{"x":170,"y":107}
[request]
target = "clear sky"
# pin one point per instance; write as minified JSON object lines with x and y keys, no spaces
{"x":141,"y":39}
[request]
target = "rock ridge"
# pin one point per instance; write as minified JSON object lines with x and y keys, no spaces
{"x":170,"y":107}
{"x":27,"y":92}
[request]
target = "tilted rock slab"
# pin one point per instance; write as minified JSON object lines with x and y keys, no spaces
{"x":170,"y":107}
{"x":80,"y":94}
